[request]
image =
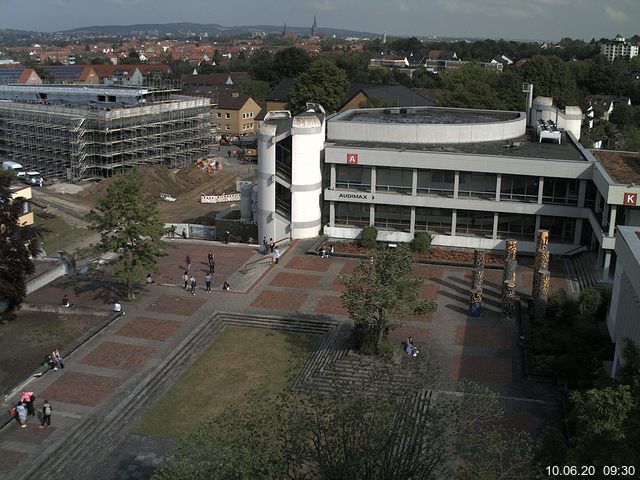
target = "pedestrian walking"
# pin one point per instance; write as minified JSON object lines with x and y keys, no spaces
{"x":193,"y":285}
{"x":265,"y":245}
{"x":46,"y":414}
{"x":207,"y":281}
{"x":21,"y":411}
{"x":276,"y":255}
{"x":187,"y":261}
{"x":272,"y":245}
{"x":226,"y":286}
{"x":28,"y":399}
{"x":211,"y":262}
{"x":185,"y":277}
{"x":227,"y":237}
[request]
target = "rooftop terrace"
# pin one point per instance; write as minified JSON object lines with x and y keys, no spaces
{"x":623,"y":167}
{"x":429,"y":116}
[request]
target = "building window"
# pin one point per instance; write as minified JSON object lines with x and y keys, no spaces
{"x":590,"y":195}
{"x":516,"y":188}
{"x":477,"y":185}
{"x":219,"y":115}
{"x":227,"y":127}
{"x":394,"y":179}
{"x":515,"y":225}
{"x":560,"y":191}
{"x":435,"y":182}
{"x":561,"y":229}
{"x":250,"y":114}
{"x":436,"y":220}
{"x":393,"y":216}
{"x":227,"y":116}
{"x":353,"y":177}
{"x":474,"y":224}
{"x":354,"y":214}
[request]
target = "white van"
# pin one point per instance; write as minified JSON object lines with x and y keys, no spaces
{"x":33,"y":178}
{"x":16,"y":167}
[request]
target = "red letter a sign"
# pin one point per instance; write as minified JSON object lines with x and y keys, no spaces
{"x":352,"y":158}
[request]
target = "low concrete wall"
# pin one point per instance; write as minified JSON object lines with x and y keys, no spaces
{"x":58,"y":268}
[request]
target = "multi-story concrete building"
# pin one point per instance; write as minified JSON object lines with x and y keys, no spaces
{"x":472,"y":178}
{"x":75,"y":132}
{"x":618,"y":47}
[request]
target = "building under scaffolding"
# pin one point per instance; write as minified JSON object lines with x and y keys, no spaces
{"x":77,"y":132}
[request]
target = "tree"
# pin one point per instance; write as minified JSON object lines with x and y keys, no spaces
{"x":551,"y":77}
{"x":129,"y":226}
{"x":323,"y":83}
{"x":368,"y":429}
{"x":421,"y":242}
{"x":369,"y":237}
{"x":256,"y":89}
{"x":290,"y":62}
{"x":380,"y":290}
{"x":18,"y":244}
{"x":468,"y":87}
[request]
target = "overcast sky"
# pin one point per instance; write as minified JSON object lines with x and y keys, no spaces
{"x":509,"y":19}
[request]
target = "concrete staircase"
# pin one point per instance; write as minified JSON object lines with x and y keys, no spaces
{"x":583,"y":271}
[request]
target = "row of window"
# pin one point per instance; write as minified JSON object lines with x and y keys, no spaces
{"x":247,"y":115}
{"x":245,"y":126}
{"x":226,"y":115}
{"x":517,"y":188}
{"x":468,"y":223}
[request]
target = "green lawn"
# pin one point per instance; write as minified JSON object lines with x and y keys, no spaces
{"x":57,"y":234}
{"x":239,"y":361}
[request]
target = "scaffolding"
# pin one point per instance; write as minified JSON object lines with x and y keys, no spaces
{"x":80,"y":142}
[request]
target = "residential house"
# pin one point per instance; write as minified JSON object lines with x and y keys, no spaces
{"x":23,"y":191}
{"x":128,"y":75}
{"x":279,"y":96}
{"x":389,"y":61}
{"x":16,"y":74}
{"x":503,"y":59}
{"x":235,"y":114}
{"x":69,"y":74}
{"x":603,"y":105}
{"x":378,"y":95}
{"x":619,"y":47}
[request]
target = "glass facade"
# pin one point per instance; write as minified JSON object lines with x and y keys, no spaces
{"x":436,"y":182}
{"x":353,"y":177}
{"x":393,"y":216}
{"x":436,"y":220}
{"x":560,"y":191}
{"x":590,"y":195}
{"x":515,"y":225}
{"x":477,"y":185}
{"x":352,"y":214}
{"x":516,"y":188}
{"x":397,"y":180}
{"x":561,"y":229}
{"x":474,"y":224}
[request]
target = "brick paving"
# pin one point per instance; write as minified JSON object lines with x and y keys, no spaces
{"x":80,"y":388}
{"x":117,"y":355}
{"x":481,"y":349}
{"x":277,"y":300}
{"x":31,"y":434}
{"x":295,"y":280}
{"x":184,"y":305}
{"x":149,"y":328}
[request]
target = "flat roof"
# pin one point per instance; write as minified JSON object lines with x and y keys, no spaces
{"x":623,"y":167}
{"x":522,"y":147}
{"x":426,"y":115}
{"x":89,"y":89}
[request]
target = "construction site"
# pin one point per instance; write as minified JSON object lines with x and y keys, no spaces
{"x":73,"y":133}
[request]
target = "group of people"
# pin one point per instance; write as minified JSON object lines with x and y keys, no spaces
{"x":54,"y":360}
{"x":190,"y":282}
{"x":26,"y":407}
{"x":326,"y":252}
{"x":410,"y":348}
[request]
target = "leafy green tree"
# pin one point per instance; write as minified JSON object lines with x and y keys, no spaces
{"x":421,"y":242}
{"x":323,"y":83}
{"x":366,"y":429}
{"x":468,"y":87}
{"x":623,"y":114}
{"x":369,"y":237}
{"x":381,"y":290}
{"x":18,"y":245}
{"x":551,"y":77}
{"x":129,"y":226}
{"x":256,"y":89}
{"x":290,"y":62}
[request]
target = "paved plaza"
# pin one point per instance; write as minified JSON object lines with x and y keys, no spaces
{"x":167,"y":323}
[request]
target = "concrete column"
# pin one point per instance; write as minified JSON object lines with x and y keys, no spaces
{"x":540,"y":190}
{"x":454,"y":219}
{"x":578,"y":232}
{"x":456,"y":183}
{"x":332,"y":181}
{"x":605,"y":215}
{"x":582,"y":191}
{"x":414,"y":182}
{"x":498,"y":188}
{"x":332,"y":214}
{"x":373,"y":179}
{"x":494,"y":235}
{"x":612,"y":220}
{"x":412,"y":226}
{"x":372,"y":215}
{"x":597,"y":205}
{"x":537,"y":227}
{"x":606,"y":266}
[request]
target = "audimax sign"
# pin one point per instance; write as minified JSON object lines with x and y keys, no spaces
{"x":356,"y":196}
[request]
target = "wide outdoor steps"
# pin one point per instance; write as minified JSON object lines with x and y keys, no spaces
{"x":583,"y":266}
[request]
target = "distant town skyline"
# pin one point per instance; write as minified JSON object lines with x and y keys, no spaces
{"x":509,"y":19}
